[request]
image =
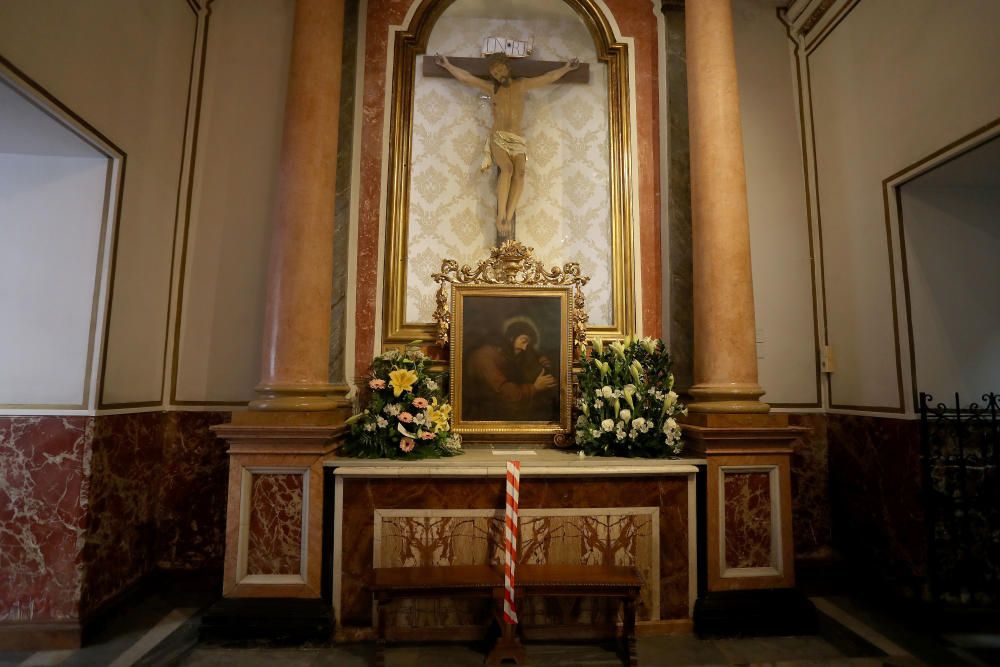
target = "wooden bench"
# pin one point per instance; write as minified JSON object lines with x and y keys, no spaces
{"x":486,"y":581}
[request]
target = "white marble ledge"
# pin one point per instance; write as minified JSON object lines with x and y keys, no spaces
{"x":486,"y":462}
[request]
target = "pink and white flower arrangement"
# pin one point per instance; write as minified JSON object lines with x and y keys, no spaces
{"x":405,"y":416}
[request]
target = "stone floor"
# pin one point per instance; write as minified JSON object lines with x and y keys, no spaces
{"x":160,"y":629}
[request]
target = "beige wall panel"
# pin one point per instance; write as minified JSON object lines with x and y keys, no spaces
{"x":123,"y":66}
{"x":779,"y":227}
{"x":893,"y":83}
{"x":235,"y":176}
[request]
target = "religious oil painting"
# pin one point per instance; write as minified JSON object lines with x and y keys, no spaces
{"x":511,"y":356}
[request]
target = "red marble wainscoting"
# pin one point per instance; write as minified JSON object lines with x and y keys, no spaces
{"x":192,"y":493}
{"x":878,"y":521}
{"x":91,"y":505}
{"x":811,"y":491}
{"x":44,"y":465}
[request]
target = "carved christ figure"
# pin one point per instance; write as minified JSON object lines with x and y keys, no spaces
{"x":506,"y":143}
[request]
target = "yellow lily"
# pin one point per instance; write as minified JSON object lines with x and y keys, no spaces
{"x":401,"y":380}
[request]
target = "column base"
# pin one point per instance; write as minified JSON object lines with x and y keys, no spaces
{"x":301,"y":397}
{"x":291,"y":620}
{"x":782,"y":611}
{"x":731,"y":398}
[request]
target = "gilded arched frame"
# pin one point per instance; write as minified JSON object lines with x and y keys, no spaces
{"x":412,"y":42}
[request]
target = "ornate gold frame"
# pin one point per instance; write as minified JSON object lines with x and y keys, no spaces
{"x":408,"y":45}
{"x":511,"y":270}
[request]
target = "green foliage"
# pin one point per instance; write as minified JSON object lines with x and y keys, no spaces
{"x":626,"y":403}
{"x":406,"y":417}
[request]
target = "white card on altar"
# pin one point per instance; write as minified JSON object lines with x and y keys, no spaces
{"x":514,"y":452}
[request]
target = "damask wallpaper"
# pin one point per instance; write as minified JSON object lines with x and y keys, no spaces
{"x":565,"y":209}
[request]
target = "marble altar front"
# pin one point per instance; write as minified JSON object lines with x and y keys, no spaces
{"x":574,"y":510}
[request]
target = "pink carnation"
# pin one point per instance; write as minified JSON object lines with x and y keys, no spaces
{"x":405,"y":417}
{"x":420,"y":403}
{"x":407,"y":445}
{"x":427,"y":435}
{"x":377,"y":383}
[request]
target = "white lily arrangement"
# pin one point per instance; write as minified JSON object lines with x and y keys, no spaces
{"x":626,"y":402}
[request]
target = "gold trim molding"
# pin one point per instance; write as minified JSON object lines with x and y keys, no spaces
{"x":511,"y":264}
{"x":410,"y":43}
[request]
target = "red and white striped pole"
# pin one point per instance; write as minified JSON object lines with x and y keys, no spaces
{"x":510,"y":540}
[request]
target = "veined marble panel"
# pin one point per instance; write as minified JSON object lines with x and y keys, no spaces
{"x":591,"y":536}
{"x":748,"y":519}
{"x":274,"y":534}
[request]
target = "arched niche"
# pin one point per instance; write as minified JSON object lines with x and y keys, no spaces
{"x":599,"y":237}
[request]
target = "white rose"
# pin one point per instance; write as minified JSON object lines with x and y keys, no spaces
{"x":431,"y":385}
{"x":595,"y":433}
{"x":607,"y":392}
{"x":626,"y":415}
{"x":620,"y":435}
{"x":638,"y":423}
{"x":608,"y":425}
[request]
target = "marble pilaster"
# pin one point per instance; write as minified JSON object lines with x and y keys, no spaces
{"x":725,"y":356}
{"x":296,"y":349}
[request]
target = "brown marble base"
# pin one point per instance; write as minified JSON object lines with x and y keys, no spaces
{"x":877,"y":513}
{"x":749,"y":538}
{"x":274,"y":516}
{"x":39,"y":636}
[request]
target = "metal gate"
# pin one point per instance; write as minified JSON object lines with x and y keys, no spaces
{"x":960,"y":452}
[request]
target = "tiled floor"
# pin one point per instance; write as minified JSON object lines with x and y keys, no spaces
{"x":161,"y":630}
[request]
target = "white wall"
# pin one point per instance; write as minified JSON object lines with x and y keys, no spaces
{"x":952,"y":235}
{"x":51,"y":214}
{"x":892,"y":84}
{"x":239,"y":139}
{"x":124,"y":67}
{"x":779,"y":222}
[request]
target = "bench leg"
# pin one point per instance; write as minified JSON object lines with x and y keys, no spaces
{"x":631,"y":654}
{"x":508,"y":646}
{"x":383,"y":613}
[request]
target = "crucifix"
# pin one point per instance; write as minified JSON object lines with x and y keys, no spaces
{"x":506,"y":146}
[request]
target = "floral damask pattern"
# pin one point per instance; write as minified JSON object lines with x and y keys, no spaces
{"x":565,"y":209}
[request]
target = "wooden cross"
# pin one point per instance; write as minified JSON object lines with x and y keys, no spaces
{"x":518,"y":67}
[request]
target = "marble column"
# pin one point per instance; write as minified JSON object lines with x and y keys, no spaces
{"x":725,"y":355}
{"x":296,"y":342}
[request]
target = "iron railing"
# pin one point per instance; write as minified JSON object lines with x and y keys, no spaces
{"x":960,"y":452}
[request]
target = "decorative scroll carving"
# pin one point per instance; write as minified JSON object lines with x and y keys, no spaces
{"x":510,"y":264}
